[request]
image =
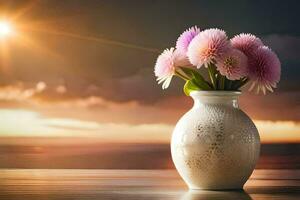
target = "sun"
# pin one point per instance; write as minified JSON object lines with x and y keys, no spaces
{"x":5,"y":29}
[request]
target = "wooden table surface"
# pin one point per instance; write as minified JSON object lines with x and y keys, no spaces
{"x":89,"y":184}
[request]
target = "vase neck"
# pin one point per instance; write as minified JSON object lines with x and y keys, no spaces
{"x":223,"y":98}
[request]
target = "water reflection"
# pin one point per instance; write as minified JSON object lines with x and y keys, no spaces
{"x":212,"y":195}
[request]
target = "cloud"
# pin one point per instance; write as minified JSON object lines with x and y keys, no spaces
{"x":286,"y":46}
{"x":104,"y":111}
{"x":90,"y":105}
{"x":18,"y":91}
{"x":24,"y":123}
{"x":279,"y":131}
{"x":23,"y":92}
{"x":280,"y":105}
{"x":70,"y":124}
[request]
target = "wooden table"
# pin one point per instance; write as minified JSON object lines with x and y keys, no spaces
{"x":89,"y":184}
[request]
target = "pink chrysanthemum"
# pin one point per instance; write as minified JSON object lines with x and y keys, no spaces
{"x":207,"y":46}
{"x":247,"y":43}
{"x":233,"y":64}
{"x":264,"y":70}
{"x":166,"y":65}
{"x":181,"y":60}
{"x":185,"y":38}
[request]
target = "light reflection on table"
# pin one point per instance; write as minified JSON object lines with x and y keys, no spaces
{"x":137,"y":184}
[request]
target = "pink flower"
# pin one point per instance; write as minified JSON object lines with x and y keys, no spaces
{"x":185,"y":38}
{"x":166,"y":65}
{"x":264,"y":69}
{"x":233,"y":64}
{"x":247,"y":43}
{"x":207,"y":46}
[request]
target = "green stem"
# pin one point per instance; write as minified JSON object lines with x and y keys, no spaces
{"x":228,"y":85}
{"x":182,"y":76}
{"x":222,"y":82}
{"x":244,"y":82}
{"x":238,"y":84}
{"x":211,"y":73}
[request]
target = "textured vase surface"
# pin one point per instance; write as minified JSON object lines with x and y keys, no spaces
{"x":215,"y":145}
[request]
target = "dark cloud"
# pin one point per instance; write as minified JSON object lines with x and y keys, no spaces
{"x":73,"y":47}
{"x":286,"y":46}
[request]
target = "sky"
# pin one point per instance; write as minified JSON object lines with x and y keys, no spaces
{"x":85,"y":68}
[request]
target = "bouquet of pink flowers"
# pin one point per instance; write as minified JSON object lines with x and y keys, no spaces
{"x":230,"y":63}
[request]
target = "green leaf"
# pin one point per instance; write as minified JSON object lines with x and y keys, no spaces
{"x":196,"y":78}
{"x":189,"y":86}
{"x":201,"y":84}
{"x":228,"y":84}
{"x":221,"y":82}
{"x":192,"y":73}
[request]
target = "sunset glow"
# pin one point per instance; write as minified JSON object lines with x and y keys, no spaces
{"x":5,"y":29}
{"x":25,"y":123}
{"x":77,"y":80}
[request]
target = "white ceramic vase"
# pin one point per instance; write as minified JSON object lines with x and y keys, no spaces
{"x":215,"y":145}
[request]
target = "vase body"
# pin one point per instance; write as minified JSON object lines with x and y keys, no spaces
{"x":215,"y":145}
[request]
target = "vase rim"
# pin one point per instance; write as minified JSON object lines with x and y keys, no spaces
{"x":216,"y":93}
